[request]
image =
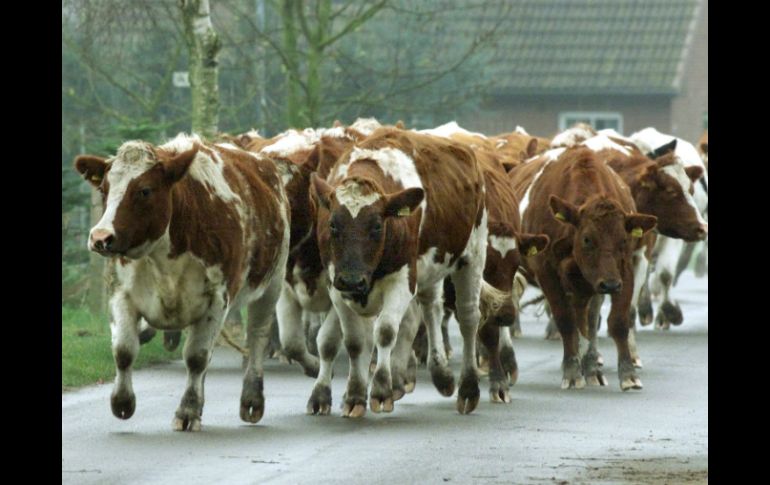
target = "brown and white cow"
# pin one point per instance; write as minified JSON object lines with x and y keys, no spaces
{"x":199,"y":230}
{"x":588,"y":212}
{"x":400,"y":212}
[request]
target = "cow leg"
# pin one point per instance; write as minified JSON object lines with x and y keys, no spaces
{"x":489,"y":335}
{"x":508,"y":356}
{"x":669,"y":311}
{"x":684,"y":259}
{"x":420,"y":345}
{"x":403,"y":380}
{"x":395,"y":307}
{"x":619,"y":326}
{"x":291,"y":329}
{"x":641,"y":271}
{"x":125,"y":347}
{"x":197,"y":354}
{"x":564,"y":317}
{"x":702,"y":260}
{"x":357,"y":336}
{"x":260,"y":321}
{"x":644,"y":304}
{"x":312,"y":322}
{"x":431,"y":307}
{"x":592,"y":359}
{"x":467,"y":283}
{"x":328,"y":342}
{"x":445,"y":333}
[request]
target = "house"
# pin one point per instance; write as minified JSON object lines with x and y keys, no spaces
{"x":618,"y":64}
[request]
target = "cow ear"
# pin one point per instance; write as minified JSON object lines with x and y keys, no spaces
{"x":694,"y":172}
{"x":337,"y":124}
{"x":638,"y":224}
{"x":564,"y":211}
{"x":531,"y":244}
{"x":176,"y":168}
{"x":91,"y":168}
{"x":403,"y":203}
{"x":532,"y":147}
{"x":321,"y":190}
{"x":704,"y":147}
{"x":663,"y":150}
{"x":400,"y":124}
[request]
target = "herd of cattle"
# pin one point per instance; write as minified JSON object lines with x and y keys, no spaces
{"x":382,"y":233}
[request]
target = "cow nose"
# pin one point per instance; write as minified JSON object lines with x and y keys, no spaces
{"x":102,"y":240}
{"x":351,"y":282}
{"x":609,"y":286}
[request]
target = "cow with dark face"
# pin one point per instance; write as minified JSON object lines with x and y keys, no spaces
{"x":400,"y":211}
{"x":589,"y":215}
{"x":199,"y":230}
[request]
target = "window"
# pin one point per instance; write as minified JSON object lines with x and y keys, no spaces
{"x":597,"y":119}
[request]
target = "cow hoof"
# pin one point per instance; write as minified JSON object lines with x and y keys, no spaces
{"x":398,"y":393}
{"x":630,"y":383}
{"x":123,"y":404}
{"x":637,"y":363}
{"x":468,"y":394}
{"x":320,"y":402}
{"x":351,"y":410}
{"x":672,"y":313}
{"x":599,"y":360}
{"x":498,"y":392}
{"x":596,"y":379}
{"x":661,"y":323}
{"x":186,"y":423}
{"x":384,"y":405}
{"x":409,"y":387}
{"x":171,"y":340}
{"x":576,"y":383}
{"x":443,"y":379}
{"x":252,"y":399}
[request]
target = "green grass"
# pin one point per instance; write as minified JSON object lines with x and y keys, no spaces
{"x":86,"y":352}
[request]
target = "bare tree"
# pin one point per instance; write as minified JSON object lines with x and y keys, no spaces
{"x":203,"y":45}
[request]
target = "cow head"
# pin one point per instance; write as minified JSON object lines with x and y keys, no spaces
{"x":665,"y":189}
{"x":353,"y":221}
{"x":136,"y":189}
{"x":602,"y":238}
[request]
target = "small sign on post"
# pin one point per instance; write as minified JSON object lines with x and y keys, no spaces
{"x":181,"y":79}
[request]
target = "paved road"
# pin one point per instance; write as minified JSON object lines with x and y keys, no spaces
{"x":546,"y":435}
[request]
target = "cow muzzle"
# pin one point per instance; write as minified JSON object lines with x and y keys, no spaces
{"x":101,"y":241}
{"x":351,"y":283}
{"x":609,"y":286}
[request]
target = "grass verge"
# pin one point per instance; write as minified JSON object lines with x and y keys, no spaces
{"x":86,"y":354}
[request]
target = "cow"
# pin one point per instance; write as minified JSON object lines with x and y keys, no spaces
{"x":588,"y":212}
{"x":298,"y":155}
{"x":505,"y":247}
{"x":668,"y":251}
{"x":199,"y":230}
{"x":398,"y":213}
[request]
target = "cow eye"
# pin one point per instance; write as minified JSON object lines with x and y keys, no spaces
{"x":587,"y":242}
{"x":145,"y":192}
{"x":335,"y":231}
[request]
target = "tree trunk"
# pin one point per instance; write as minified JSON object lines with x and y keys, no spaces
{"x":293,"y":118}
{"x":203,"y":46}
{"x":97,"y":297}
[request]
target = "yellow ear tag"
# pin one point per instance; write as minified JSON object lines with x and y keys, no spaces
{"x":96,"y":179}
{"x":404,"y":211}
{"x":532,"y":251}
{"x":637,"y":232}
{"x":560,"y":216}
